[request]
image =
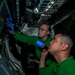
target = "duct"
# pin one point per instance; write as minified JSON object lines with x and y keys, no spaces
{"x":63,"y":18}
{"x":29,"y":30}
{"x":17,"y":64}
{"x":48,"y":7}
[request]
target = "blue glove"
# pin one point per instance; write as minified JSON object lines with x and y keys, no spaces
{"x":10,"y":25}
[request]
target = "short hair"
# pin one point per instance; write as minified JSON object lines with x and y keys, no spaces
{"x":67,"y":40}
{"x":47,"y":25}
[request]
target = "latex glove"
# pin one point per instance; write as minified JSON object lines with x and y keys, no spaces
{"x":10,"y":25}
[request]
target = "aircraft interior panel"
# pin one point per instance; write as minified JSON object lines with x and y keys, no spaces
{"x":26,"y":16}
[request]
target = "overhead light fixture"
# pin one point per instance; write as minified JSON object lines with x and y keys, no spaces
{"x":49,"y":6}
{"x":36,"y":10}
{"x":47,"y":9}
{"x":52,"y":1}
{"x":42,"y":14}
{"x":17,"y":3}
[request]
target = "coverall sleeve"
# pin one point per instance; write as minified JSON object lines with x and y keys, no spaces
{"x":24,"y":38}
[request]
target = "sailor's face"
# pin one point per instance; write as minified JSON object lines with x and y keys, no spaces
{"x":55,"y":45}
{"x":43,"y":30}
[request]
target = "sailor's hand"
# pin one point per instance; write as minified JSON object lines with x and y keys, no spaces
{"x":44,"y":54}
